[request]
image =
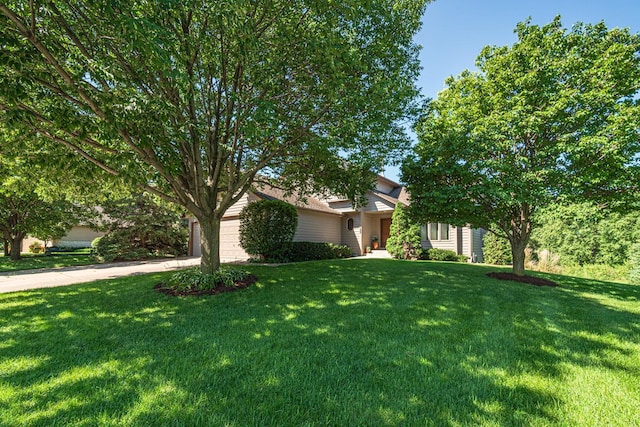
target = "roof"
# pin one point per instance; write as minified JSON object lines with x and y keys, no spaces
{"x":268,"y":192}
{"x":398,"y":194}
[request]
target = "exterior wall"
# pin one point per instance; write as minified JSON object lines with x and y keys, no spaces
{"x":318,"y":227}
{"x":312,"y":227}
{"x":467,"y":242}
{"x":342,"y":206}
{"x":28,"y":241}
{"x":352,"y":238}
{"x":370,"y":229}
{"x":384,"y":187}
{"x":462,"y":240}
{"x":472,"y":243}
{"x":235,"y":209}
{"x":477,"y":253}
{"x":376,"y":204}
{"x":450,"y":244}
{"x":79,"y":236}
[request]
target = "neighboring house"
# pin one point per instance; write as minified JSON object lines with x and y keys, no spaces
{"x":80,"y":236}
{"x":335,"y":220}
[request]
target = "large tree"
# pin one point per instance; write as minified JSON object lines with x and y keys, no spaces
{"x":194,"y":101}
{"x":554,"y":117}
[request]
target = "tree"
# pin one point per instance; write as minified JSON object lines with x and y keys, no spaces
{"x":194,"y":102}
{"x":551,"y":118}
{"x":404,"y":235}
{"x":585,"y":233}
{"x":26,"y":210}
{"x":496,"y":250}
{"x":267,"y":225}
{"x":634,"y":262}
{"x":139,"y":226}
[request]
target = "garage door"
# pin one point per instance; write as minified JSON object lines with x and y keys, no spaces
{"x":230,"y":249}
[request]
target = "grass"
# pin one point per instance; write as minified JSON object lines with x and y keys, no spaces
{"x":617,"y":273}
{"x":53,"y":260}
{"x":348,"y":342}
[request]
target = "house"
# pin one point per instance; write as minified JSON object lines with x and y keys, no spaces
{"x":462,"y":240}
{"x":336,"y":220}
{"x":80,"y":236}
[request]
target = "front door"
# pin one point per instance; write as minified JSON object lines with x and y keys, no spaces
{"x":385,"y":231}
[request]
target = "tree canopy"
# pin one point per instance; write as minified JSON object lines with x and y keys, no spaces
{"x":552,"y":118}
{"x":194,"y":102}
{"x":28,"y":202}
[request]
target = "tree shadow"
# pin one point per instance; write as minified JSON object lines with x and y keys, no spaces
{"x":363,"y":342}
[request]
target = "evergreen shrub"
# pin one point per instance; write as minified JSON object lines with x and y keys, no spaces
{"x":497,"y":250}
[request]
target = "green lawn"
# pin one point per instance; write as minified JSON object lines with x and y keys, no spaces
{"x":54,"y":260}
{"x":348,"y":342}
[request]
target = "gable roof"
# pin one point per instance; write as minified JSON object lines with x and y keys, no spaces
{"x":398,"y":194}
{"x":268,"y":192}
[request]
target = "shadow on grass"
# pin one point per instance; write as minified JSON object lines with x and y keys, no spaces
{"x":355,"y":342}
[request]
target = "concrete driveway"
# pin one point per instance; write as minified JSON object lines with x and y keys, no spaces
{"x":47,"y":278}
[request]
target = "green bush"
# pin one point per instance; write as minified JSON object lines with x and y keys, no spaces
{"x":195,"y":279}
{"x":634,"y":261}
{"x":266,"y":226}
{"x":436,"y":254}
{"x":140,"y":227}
{"x":307,"y":251}
{"x":404,"y":238}
{"x":121,"y":245}
{"x":36,"y":248}
{"x":497,"y":250}
{"x":463,"y":258}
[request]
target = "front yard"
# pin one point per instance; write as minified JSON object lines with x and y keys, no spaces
{"x":53,"y":260}
{"x":347,"y":342}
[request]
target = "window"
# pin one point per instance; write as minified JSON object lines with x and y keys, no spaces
{"x":350,"y":224}
{"x":436,"y":231}
{"x":444,"y":231}
{"x":433,"y":231}
{"x":423,"y":232}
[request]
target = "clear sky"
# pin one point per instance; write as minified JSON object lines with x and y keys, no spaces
{"x":454,"y":31}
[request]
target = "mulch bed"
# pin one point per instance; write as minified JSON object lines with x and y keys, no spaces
{"x":243,"y":284}
{"x":535,"y":281}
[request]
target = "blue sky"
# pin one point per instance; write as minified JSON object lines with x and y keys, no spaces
{"x":454,"y":31}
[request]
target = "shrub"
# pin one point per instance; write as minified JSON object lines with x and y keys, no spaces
{"x":404,"y":238}
{"x":36,"y":248}
{"x":195,"y":279}
{"x":266,"y":226}
{"x":463,"y":258}
{"x":442,"y":255}
{"x":307,"y":251}
{"x":138,"y":228}
{"x":497,"y":250}
{"x":634,"y":261}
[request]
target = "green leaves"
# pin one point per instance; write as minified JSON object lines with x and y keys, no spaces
{"x":192,"y":101}
{"x":551,"y":116}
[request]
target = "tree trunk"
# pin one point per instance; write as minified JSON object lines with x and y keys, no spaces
{"x":210,"y":244}
{"x":5,"y":244}
{"x":517,"y":253}
{"x":16,"y":246}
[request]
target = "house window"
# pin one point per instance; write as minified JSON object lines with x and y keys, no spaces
{"x":436,"y":231}
{"x":423,"y":232}
{"x":433,"y":231}
{"x":350,"y":224}
{"x":444,"y":231}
